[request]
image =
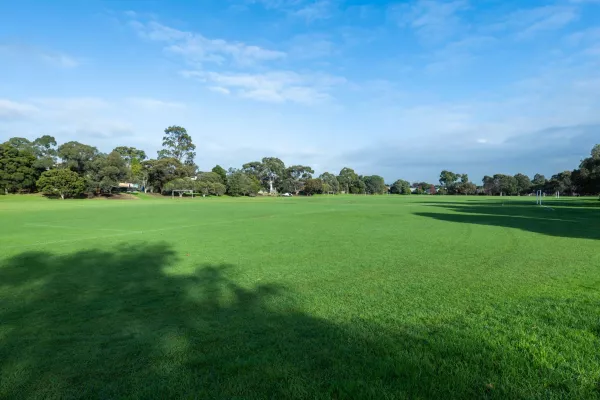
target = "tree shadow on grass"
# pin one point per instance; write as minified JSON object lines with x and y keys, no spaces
{"x":560,"y":221}
{"x":97,"y":324}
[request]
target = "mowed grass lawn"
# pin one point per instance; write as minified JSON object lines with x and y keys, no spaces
{"x":324,"y":297}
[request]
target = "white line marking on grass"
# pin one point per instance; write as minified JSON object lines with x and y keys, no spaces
{"x":153,"y":230}
{"x":74,"y":227}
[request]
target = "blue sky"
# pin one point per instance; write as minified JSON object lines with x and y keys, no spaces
{"x":402,"y":89}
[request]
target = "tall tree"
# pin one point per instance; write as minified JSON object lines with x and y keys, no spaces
{"x":313,"y":186}
{"x":400,"y":187}
{"x":374,"y":184}
{"x":524,"y":184}
{"x":240,"y":183}
{"x":17,"y":171}
{"x":139,"y":174}
{"x":221,"y":172}
{"x":505,"y":184}
{"x":561,"y":183}
{"x":77,"y":157}
{"x":331,"y":181}
{"x":539,"y":182}
{"x":465,"y":187}
{"x":211,"y":177}
{"x":448,"y":180}
{"x":347,"y":179}
{"x":129,"y":154}
{"x":295,"y":177}
{"x":113,"y":170}
{"x":177,"y":144}
{"x":19,"y":143}
{"x":596,"y":152}
{"x":272,"y":170}
{"x":45,"y":151}
{"x":162,"y":171}
{"x":586,"y":179}
{"x":489,"y":185}
{"x":253,"y":168}
{"x":358,"y":187}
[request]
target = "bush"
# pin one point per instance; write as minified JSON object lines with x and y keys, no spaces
{"x":61,"y":182}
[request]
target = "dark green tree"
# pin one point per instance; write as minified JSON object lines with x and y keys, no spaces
{"x":221,"y":172}
{"x":560,"y":183}
{"x":44,"y":149}
{"x":77,"y":157}
{"x":129,"y":154}
{"x":295,"y":177}
{"x":313,"y":186}
{"x":400,"y":187}
{"x":177,"y":144}
{"x":348,"y":180}
{"x":524,"y":184}
{"x":374,"y":184}
{"x":240,"y":183}
{"x":110,"y":170}
{"x":161,"y":171}
{"x":17,"y":170}
{"x":61,"y":182}
{"x":448,"y":181}
{"x":331,"y":181}
{"x":586,"y":179}
{"x":539,"y":182}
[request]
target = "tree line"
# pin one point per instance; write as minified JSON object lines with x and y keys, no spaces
{"x":75,"y":169}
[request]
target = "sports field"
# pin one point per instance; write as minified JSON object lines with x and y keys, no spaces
{"x":323,"y":297}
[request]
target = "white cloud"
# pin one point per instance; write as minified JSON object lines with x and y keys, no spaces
{"x":432,"y":20}
{"x":458,"y":53}
{"x":153,"y":104}
{"x":312,"y":46}
{"x":197,"y":49}
{"x":13,"y":110}
{"x":528,"y":22}
{"x":243,"y":68}
{"x":219,"y":89}
{"x":320,"y":9}
{"x":92,"y":120}
{"x":28,"y":53}
{"x":309,"y":10}
{"x":274,"y":87}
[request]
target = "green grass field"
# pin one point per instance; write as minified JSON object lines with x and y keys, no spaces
{"x":324,"y":297}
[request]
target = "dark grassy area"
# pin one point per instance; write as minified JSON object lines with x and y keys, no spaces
{"x":344,"y":298}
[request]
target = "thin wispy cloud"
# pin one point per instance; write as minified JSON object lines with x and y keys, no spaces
{"x":196,"y":48}
{"x":28,"y":52}
{"x":245,"y":70}
{"x":273,"y":87}
{"x":432,"y":20}
{"x":526,"y":23}
{"x":459,"y":53}
{"x":308,"y":10}
{"x":321,"y":9}
{"x":10,"y":110}
{"x":153,"y":104}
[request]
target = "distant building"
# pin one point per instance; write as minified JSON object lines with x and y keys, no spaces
{"x":128,"y":187}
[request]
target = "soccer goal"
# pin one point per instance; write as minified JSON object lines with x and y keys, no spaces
{"x":181,"y":193}
{"x":538,"y":197}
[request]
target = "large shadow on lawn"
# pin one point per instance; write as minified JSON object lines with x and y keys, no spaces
{"x":562,"y":220}
{"x":107,"y":325}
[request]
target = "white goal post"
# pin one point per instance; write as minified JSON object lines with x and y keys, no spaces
{"x":181,"y":192}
